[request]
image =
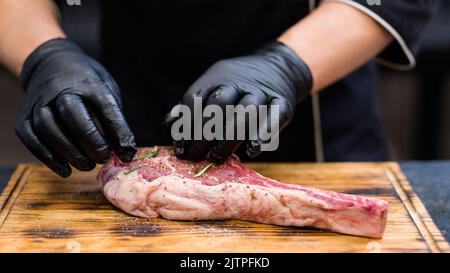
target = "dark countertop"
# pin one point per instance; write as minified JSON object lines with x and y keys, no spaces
{"x":5,"y":173}
{"x":430,"y":180}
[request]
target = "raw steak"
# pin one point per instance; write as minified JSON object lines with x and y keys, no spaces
{"x":156,"y":184}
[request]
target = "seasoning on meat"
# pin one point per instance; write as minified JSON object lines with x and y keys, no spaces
{"x":165,"y":186}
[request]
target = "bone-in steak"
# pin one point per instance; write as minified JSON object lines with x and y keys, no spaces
{"x":156,"y":184}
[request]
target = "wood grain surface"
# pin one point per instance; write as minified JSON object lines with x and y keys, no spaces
{"x":41,"y":212}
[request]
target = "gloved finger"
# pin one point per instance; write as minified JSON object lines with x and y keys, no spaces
{"x":253,"y":147}
{"x":108,"y":81}
{"x":188,"y":99}
{"x":24,"y":130}
{"x":245,"y":126}
{"x":223,"y":149}
{"x":82,"y":129}
{"x":224,"y":95}
{"x":181,"y":146}
{"x":54,"y":138}
{"x":178,"y":148}
{"x":195,"y":149}
{"x":115,"y":126}
{"x":285,"y":109}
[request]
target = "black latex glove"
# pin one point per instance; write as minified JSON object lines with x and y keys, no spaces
{"x":68,"y":96}
{"x":274,"y":75}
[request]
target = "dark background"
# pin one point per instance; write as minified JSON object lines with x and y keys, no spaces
{"x":415,"y":108}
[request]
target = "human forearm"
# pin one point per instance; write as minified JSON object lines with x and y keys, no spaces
{"x":335,"y":40}
{"x":24,"y":25}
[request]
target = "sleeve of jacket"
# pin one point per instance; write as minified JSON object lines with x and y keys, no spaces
{"x":404,"y":20}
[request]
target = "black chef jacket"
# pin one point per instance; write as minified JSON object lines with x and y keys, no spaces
{"x":156,"y":49}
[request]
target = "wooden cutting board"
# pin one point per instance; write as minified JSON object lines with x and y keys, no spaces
{"x":41,"y":212}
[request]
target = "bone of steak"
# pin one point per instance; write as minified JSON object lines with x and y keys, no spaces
{"x":166,"y":186}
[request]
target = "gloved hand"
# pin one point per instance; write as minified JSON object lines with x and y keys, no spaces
{"x":274,"y":75}
{"x":71,"y":111}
